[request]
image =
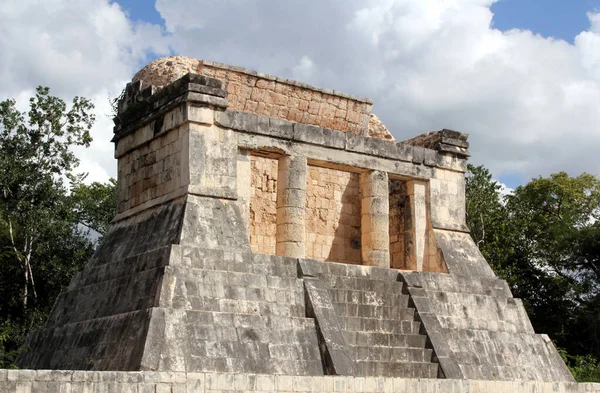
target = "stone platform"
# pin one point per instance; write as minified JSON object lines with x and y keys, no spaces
{"x":46,"y":381}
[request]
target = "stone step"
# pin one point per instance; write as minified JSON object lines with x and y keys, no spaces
{"x":237,"y":261}
{"x":359,"y":271}
{"x":115,"y":296}
{"x":391,"y":354}
{"x":229,"y":278}
{"x":397,"y":369}
{"x":207,"y":325}
{"x":257,"y":366}
{"x":263,"y":268}
{"x":247,"y":307}
{"x":380,"y":325}
{"x":255,"y":350}
{"x":292,"y":295}
{"x":372,"y":339}
{"x":371,"y":311}
{"x":368,"y":297}
{"x":475,"y":311}
{"x":492,"y":286}
{"x":365,"y":284}
{"x":94,"y":273}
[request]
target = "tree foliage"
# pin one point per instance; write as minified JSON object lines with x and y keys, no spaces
{"x":44,"y":236}
{"x":94,"y":204}
{"x":544,"y":239}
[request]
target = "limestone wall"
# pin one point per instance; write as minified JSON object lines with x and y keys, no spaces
{"x":286,"y":99}
{"x":333,"y":215}
{"x":149,"y":167}
{"x":254,"y":92}
{"x":30,"y":381}
{"x":263,"y":204}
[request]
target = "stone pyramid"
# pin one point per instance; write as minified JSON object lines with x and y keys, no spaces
{"x":268,"y":226}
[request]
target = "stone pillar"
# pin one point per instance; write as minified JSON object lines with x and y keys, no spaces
{"x":244,"y":186}
{"x":417,"y":231}
{"x":291,"y":200}
{"x":375,"y":216}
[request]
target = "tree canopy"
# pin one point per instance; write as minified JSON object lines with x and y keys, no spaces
{"x":544,"y":239}
{"x":46,"y":212}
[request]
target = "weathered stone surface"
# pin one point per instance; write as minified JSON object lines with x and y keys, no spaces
{"x":444,"y":141}
{"x":221,"y":167}
{"x":103,"y":381}
{"x":332,"y":342}
{"x":378,"y":130}
{"x":267,"y":95}
{"x":479,"y":331}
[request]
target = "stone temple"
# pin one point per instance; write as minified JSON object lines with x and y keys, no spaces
{"x":266,"y":226}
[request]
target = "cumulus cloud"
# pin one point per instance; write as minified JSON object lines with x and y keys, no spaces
{"x":530,"y":103}
{"x":86,"y":48}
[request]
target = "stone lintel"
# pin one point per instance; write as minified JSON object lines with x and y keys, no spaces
{"x":287,"y":132}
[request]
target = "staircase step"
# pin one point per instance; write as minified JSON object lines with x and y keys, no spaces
{"x":365,"y":284}
{"x":391,"y":354}
{"x":203,"y":277}
{"x":270,"y":295}
{"x":367,"y":272}
{"x":379,"y":325}
{"x":368,"y":297}
{"x":395,"y":369}
{"x":371,"y":339}
{"x":372,"y":311}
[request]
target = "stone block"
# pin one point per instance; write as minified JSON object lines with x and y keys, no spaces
{"x":21,"y":375}
{"x":319,"y":136}
{"x":281,"y":128}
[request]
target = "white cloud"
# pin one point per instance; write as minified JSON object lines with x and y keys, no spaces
{"x":79,"y":47}
{"x":504,"y":189}
{"x":531,"y":104}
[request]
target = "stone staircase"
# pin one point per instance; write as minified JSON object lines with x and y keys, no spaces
{"x":480,"y":330}
{"x":382,"y":335}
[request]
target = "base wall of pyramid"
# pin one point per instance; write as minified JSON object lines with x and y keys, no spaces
{"x":178,"y":284}
{"x":32,"y":381}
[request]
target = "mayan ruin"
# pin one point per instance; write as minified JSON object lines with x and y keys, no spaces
{"x":274,"y":236}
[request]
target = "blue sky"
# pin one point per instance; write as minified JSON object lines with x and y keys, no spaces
{"x":562,"y":19}
{"x":141,"y":10}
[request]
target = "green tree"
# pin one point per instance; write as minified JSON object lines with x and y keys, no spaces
{"x":44,"y":235}
{"x":487,"y":218}
{"x":557,"y":255}
{"x":36,"y":154}
{"x":95,"y":204}
{"x":544,"y":239}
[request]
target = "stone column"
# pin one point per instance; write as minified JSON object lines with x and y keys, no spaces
{"x":291,"y":200}
{"x":375,"y":216}
{"x":417,"y":231}
{"x":244,"y":186}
